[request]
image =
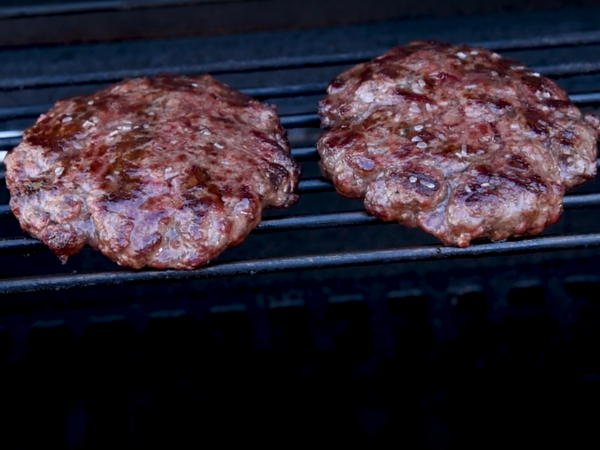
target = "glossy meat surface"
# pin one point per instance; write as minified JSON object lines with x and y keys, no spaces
{"x":166,"y":171}
{"x":457,"y":140}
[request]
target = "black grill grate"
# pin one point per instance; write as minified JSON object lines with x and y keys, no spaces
{"x":274,"y":265}
{"x":21,"y":245}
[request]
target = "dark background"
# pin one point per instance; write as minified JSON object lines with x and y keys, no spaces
{"x":104,"y":20}
{"x":488,"y":352}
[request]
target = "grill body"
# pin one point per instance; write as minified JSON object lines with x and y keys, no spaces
{"x":324,"y":324}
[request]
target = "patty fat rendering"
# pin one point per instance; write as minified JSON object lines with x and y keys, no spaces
{"x":457,"y":140}
{"x":165,"y":172}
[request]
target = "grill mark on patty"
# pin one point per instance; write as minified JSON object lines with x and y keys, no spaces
{"x":506,"y":141}
{"x":166,"y":171}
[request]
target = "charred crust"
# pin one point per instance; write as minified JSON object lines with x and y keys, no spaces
{"x":504,"y":141}
{"x":150,"y":171}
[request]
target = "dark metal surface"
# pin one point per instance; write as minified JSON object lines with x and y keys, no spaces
{"x":58,"y":8}
{"x":273,"y":265}
{"x":88,"y":6}
{"x":581,"y":201}
{"x":294,"y":62}
{"x":312,"y":185}
{"x":227,"y":67}
{"x":50,"y":9}
{"x":303,"y":154}
{"x":16,"y":112}
{"x":21,"y":244}
{"x":9,"y":143}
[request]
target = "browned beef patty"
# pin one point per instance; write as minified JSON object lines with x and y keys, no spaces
{"x":457,"y":140}
{"x":164,"y":172}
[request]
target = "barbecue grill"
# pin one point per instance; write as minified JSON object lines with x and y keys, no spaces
{"x":351,"y":312}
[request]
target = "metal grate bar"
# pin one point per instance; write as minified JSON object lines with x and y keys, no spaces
{"x":58,"y":8}
{"x":22,"y":244}
{"x":17,"y":112}
{"x":307,"y":222}
{"x":568,"y":69}
{"x":285,"y":62}
{"x":305,"y":153}
{"x":9,"y":143}
{"x":294,"y":62}
{"x":274,"y":265}
{"x":540,"y":42}
{"x":247,"y":66}
{"x":579,"y":201}
{"x":585,"y":98}
{"x":9,"y":134}
{"x":563,"y":39}
{"x":287,"y":90}
{"x":301,"y":120}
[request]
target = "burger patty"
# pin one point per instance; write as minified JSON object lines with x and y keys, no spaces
{"x":457,"y":140}
{"x":165,"y":172}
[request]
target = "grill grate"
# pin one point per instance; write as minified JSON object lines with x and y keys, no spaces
{"x":10,"y":137}
{"x":274,"y":265}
